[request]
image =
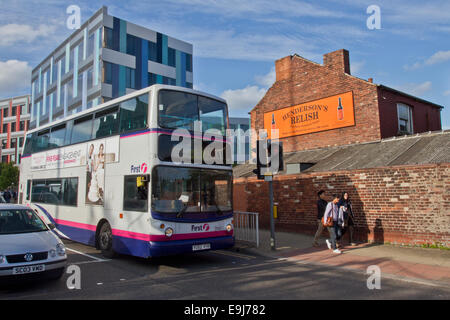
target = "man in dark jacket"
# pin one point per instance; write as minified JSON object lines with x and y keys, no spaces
{"x":321,"y":205}
{"x":7,"y":196}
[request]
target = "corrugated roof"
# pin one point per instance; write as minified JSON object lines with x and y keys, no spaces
{"x":432,"y":147}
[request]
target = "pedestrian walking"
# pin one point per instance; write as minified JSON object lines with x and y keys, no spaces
{"x":7,"y":196}
{"x":346,"y":205}
{"x":333,"y":219}
{"x":321,"y":206}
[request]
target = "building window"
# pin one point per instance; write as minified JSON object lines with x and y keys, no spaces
{"x":188,"y":62}
{"x":63,"y":65}
{"x":109,"y":43}
{"x":108,"y":72}
{"x":151,"y":78}
{"x":169,"y":81}
{"x":80,"y":52}
{"x":90,"y":78}
{"x":153,"y":51}
{"x":130,"y":78}
{"x":404,"y":113}
{"x":90,"y":47}
{"x":189,"y":85}
{"x":72,"y":59}
{"x":54,"y":73}
{"x":132,"y":44}
{"x":80,"y":85}
{"x":5,"y":112}
{"x":13,"y":127}
{"x":172,"y":57}
{"x":5,"y":128}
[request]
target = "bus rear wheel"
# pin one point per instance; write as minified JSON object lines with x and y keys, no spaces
{"x":105,"y":240}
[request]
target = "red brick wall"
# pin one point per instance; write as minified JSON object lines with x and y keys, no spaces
{"x":405,"y":204}
{"x":300,"y":81}
{"x":425,"y":116}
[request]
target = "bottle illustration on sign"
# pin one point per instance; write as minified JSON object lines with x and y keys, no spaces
{"x":273,"y":121}
{"x":340,"y":111}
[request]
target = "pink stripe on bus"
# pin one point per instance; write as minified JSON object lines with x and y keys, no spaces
{"x":76,"y":224}
{"x":147,"y":237}
{"x":132,"y":235}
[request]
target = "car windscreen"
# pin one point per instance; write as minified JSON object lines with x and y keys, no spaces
{"x":14,"y":221}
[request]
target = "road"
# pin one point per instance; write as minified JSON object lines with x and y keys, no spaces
{"x":224,"y":274}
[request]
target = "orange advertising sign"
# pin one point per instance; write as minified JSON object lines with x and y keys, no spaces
{"x":319,"y":115}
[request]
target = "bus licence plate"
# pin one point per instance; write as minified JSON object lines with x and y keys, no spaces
{"x":197,"y":247}
{"x":29,"y":269}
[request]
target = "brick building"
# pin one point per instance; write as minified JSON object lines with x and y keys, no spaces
{"x":341,"y":133}
{"x":14,"y":123}
{"x":371,"y":112}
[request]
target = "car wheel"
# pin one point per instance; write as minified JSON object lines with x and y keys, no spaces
{"x":105,"y":240}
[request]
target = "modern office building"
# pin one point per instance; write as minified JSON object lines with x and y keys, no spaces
{"x":106,"y":58}
{"x":14,"y":122}
{"x":241,"y":143}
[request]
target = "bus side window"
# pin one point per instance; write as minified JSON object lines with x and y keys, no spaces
{"x":135,"y":196}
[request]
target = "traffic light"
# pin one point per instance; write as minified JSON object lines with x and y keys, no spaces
{"x":275,"y":153}
{"x":257,"y":171}
{"x":268,"y":153}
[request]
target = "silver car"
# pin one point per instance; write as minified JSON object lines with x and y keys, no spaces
{"x":27,"y":245}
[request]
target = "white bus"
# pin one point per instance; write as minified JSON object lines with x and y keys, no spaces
{"x":104,"y":177}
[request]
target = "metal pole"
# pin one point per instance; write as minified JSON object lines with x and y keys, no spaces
{"x":272,"y":223}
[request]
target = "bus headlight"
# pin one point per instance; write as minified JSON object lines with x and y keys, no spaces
{"x":169,"y":232}
{"x":229,"y":227}
{"x":60,"y":249}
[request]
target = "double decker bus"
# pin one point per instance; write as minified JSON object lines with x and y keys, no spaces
{"x":105,"y":176}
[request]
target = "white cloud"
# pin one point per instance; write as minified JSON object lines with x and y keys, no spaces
{"x":266,"y":80}
{"x":243,"y":100}
{"x":12,"y":33}
{"x":447,"y":93}
{"x":438,"y":57}
{"x":15,"y":76}
{"x":416,"y":89}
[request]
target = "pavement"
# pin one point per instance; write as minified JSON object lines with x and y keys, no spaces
{"x":421,"y":265}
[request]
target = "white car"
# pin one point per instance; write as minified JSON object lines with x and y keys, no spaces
{"x":27,"y":245}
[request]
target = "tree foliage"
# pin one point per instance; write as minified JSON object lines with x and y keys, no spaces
{"x":9,"y":176}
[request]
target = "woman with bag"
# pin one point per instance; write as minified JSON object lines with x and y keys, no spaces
{"x":333,"y":219}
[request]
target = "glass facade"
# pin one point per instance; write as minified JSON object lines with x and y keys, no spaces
{"x":77,"y":70}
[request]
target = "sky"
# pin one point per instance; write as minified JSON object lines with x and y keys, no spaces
{"x":236,"y":42}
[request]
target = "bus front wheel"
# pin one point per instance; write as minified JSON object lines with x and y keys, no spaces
{"x":105,"y":240}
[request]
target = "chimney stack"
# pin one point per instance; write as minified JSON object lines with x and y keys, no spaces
{"x":371,"y":80}
{"x":338,"y":60}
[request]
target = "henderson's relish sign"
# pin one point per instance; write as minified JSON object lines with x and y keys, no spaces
{"x":319,"y":115}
